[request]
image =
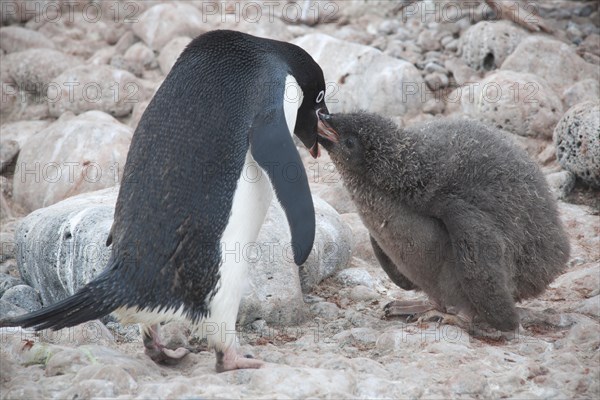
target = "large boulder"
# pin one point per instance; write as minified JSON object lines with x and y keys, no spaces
{"x":521,"y":103}
{"x":21,"y":131}
{"x":553,"y":60}
{"x":171,"y":51}
{"x":14,"y":135}
{"x":73,"y":155}
{"x":15,"y":38}
{"x":63,"y":246}
{"x":163,"y":22}
{"x":34,"y":70}
{"x":362,"y":77}
{"x":95,"y":87}
{"x":485,"y":45}
{"x":585,"y":90}
{"x":577,"y":141}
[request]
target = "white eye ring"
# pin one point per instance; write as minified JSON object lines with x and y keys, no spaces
{"x":320,"y":96}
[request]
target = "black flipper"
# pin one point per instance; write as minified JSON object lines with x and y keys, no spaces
{"x":93,"y":301}
{"x":273,"y":148}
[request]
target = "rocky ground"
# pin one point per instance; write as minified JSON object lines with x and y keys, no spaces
{"x":76,"y":79}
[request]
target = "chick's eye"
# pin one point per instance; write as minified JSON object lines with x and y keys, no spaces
{"x":350,"y":143}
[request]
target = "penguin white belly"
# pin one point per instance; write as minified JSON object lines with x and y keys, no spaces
{"x":250,"y":204}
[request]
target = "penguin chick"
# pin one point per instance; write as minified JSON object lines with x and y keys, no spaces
{"x":453,"y":209}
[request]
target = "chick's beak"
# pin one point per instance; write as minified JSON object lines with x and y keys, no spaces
{"x":324,"y":130}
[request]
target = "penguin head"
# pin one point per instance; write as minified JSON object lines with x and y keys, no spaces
{"x":309,"y":77}
{"x":307,"y":121}
{"x":356,"y":142}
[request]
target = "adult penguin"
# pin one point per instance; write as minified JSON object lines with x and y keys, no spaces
{"x":229,"y":104}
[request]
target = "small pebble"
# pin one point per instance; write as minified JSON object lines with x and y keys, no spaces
{"x":325,"y":310}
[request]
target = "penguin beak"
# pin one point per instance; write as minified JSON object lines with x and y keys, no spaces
{"x":315,"y":151}
{"x":325,"y":130}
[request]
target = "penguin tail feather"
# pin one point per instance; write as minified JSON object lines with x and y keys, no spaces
{"x":87,"y":304}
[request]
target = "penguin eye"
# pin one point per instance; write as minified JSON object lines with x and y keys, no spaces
{"x":350,"y":143}
{"x":320,"y":96}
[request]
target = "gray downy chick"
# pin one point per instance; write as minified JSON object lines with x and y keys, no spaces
{"x":453,"y":209}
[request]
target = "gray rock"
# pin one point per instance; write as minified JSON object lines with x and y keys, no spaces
{"x":15,"y":38}
{"x":436,"y":80}
{"x":398,"y":49}
{"x":79,"y":242}
{"x":435,"y":67}
{"x":362,"y":244}
{"x":89,"y":388}
{"x":138,"y":111}
{"x":364,"y":335}
{"x":23,"y":296}
{"x":354,"y":277}
{"x":553,"y":60}
{"x":577,"y":141}
{"x":126,"y":41}
{"x":95,"y":87}
{"x":332,"y":249}
{"x":304,"y":382}
{"x":21,"y":10}
{"x":485,"y":45}
{"x":137,"y":58}
{"x":452,"y":45}
{"x":590,"y":307}
{"x":362,"y":293}
{"x":8,"y":153}
{"x":122,"y":379}
{"x":275,"y":292}
{"x":326,"y":182}
{"x":171,"y":51}
{"x":434,"y":106}
{"x":21,"y":131}
{"x":7,"y":281}
{"x":521,"y":103}
{"x":8,"y":309}
{"x":9,"y":267}
{"x":140,"y":54}
{"x":585,"y":90}
{"x":427,"y":41}
{"x":325,"y":310}
{"x":561,"y":183}
{"x":163,"y":22}
{"x":361,"y":77}
{"x":103,"y":56}
{"x":76,"y":230}
{"x":73,"y":155}
{"x":125,"y":333}
{"x":36,"y":70}
{"x":462,"y":72}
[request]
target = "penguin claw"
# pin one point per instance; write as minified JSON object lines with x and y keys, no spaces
{"x":442,"y":318}
{"x":167,"y":356}
{"x":406,"y":309}
{"x":229,"y":360}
